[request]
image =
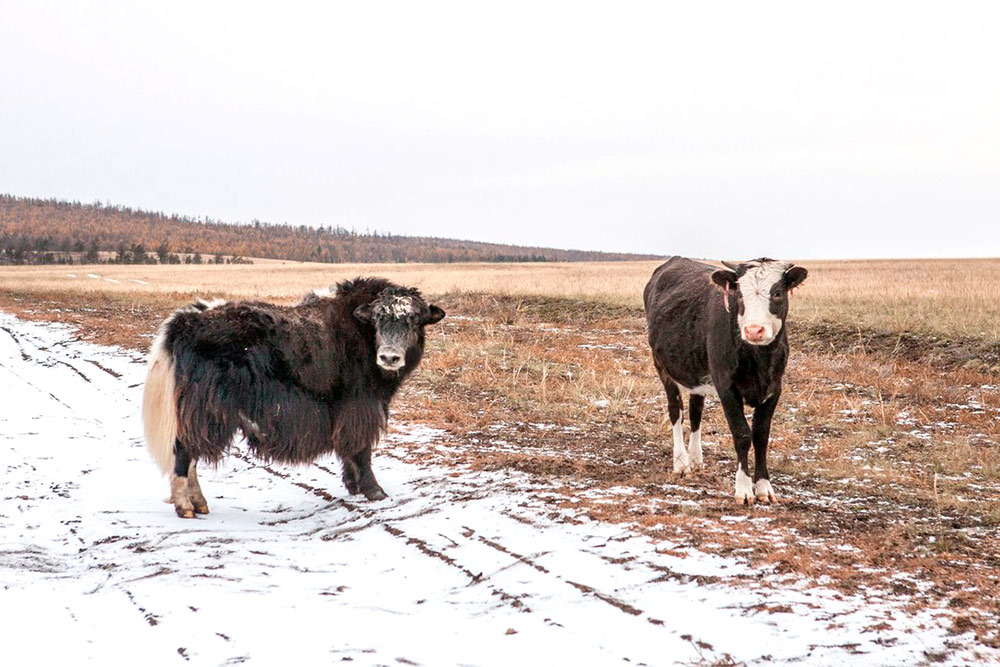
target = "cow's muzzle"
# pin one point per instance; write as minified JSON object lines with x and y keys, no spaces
{"x":756,"y":334}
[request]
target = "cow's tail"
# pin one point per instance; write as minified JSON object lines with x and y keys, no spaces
{"x":159,"y":405}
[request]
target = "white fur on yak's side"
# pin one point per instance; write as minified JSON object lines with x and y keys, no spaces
{"x":159,"y":405}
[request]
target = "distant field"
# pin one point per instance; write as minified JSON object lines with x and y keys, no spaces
{"x":947,"y":298}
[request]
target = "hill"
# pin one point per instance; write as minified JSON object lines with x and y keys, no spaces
{"x":37,"y":231}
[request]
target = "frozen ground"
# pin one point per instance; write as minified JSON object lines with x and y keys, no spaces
{"x":456,"y":568}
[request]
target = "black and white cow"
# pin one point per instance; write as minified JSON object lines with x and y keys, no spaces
{"x":721,"y":331}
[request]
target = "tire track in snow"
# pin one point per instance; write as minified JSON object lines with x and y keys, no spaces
{"x":474,"y":577}
{"x":421,"y":545}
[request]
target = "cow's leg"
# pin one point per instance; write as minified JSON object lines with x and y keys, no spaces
{"x":366,"y":478}
{"x":194,"y":490}
{"x":675,"y":408}
{"x":732,"y":405}
{"x":180,"y":493}
{"x":761,"y":434}
{"x":696,"y":403}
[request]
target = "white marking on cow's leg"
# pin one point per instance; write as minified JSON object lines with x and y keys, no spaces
{"x":681,"y":464}
{"x":180,"y":498}
{"x":744,"y":487}
{"x":764,"y":492}
{"x":194,"y":490}
{"x":694,"y":449}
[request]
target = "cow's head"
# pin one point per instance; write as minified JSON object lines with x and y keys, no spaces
{"x":399,"y":316}
{"x":762,"y":287}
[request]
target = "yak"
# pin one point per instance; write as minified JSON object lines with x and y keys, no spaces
{"x":296,"y":381}
{"x":721,"y":331}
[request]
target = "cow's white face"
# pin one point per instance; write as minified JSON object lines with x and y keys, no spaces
{"x":761,"y":293}
{"x":761,"y":289}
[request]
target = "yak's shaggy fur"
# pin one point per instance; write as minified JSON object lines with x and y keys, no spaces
{"x":297,"y":382}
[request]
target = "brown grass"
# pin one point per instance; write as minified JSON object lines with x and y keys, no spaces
{"x":949,"y":298}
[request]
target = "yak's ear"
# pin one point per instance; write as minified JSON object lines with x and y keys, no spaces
{"x":435,"y":315}
{"x":794,"y":277}
{"x":364,"y":313}
{"x":723,"y":277}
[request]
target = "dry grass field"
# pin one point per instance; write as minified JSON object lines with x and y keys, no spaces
{"x":884,"y":452}
{"x":947,"y":298}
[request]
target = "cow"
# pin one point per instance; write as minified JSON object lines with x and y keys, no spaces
{"x":722,"y":331}
{"x":296,"y":381}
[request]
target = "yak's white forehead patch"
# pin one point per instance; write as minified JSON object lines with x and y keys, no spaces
{"x":397,"y":306}
{"x":324,"y":292}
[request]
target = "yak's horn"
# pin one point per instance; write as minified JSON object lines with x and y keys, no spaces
{"x":733,"y":267}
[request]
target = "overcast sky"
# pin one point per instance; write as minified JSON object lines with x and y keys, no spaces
{"x":710,"y":129}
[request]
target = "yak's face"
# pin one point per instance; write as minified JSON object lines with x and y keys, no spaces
{"x":399,"y":317}
{"x":762,"y":288}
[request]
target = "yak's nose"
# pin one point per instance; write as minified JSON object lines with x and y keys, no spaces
{"x":388,"y":359}
{"x":753,"y":333}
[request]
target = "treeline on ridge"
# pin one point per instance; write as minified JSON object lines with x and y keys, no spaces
{"x":35,"y":231}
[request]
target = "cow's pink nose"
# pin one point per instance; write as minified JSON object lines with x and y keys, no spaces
{"x":753,"y":332}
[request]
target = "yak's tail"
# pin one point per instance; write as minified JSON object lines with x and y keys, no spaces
{"x":159,"y":405}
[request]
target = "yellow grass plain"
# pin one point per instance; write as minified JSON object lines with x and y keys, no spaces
{"x":948,"y":298}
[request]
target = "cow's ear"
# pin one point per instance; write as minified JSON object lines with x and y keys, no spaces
{"x":363,"y":313}
{"x":723,"y":277}
{"x":794,"y":277}
{"x":435,"y":315}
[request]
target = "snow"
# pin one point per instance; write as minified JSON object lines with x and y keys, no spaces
{"x":457,"y":567}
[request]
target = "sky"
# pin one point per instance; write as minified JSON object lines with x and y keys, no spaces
{"x":706,"y":129}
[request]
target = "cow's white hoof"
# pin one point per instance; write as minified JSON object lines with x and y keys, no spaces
{"x":764,"y":492}
{"x":744,"y":488}
{"x":681,"y":463}
{"x":695,"y":459}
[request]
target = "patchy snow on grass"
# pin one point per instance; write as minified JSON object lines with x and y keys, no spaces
{"x":457,"y":567}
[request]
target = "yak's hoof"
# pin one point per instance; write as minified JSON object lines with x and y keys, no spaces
{"x":376,"y":494}
{"x":201,"y":509}
{"x":185,"y":512}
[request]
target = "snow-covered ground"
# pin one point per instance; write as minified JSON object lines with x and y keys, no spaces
{"x":457,"y":567}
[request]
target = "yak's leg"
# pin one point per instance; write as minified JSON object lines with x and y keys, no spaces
{"x":358,"y":423}
{"x":350,"y":476}
{"x":180,"y":492}
{"x":194,"y":490}
{"x":761,"y":434}
{"x":366,"y":478}
{"x":732,"y":405}
{"x":696,"y":404}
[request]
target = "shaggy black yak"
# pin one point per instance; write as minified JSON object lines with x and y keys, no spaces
{"x":297,"y":382}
